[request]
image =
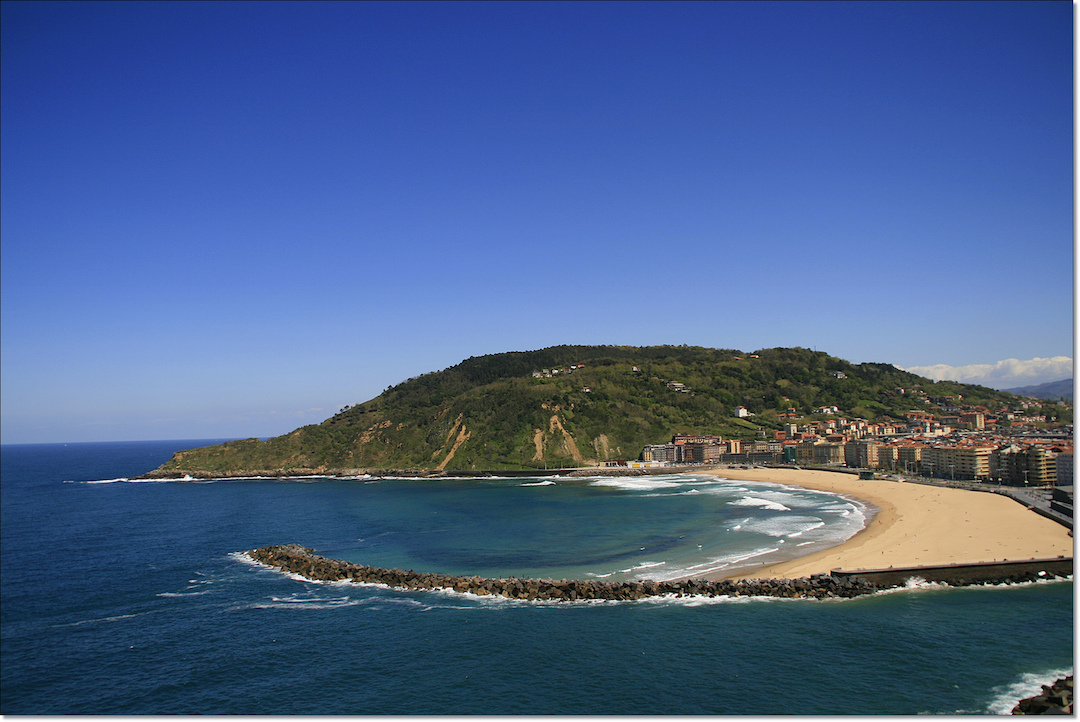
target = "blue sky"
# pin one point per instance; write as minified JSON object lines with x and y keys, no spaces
{"x":231,"y":219}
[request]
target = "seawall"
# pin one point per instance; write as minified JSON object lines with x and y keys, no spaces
{"x":964,"y":574}
{"x":306,"y":563}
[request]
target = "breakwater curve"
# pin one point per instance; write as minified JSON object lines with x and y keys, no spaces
{"x":304,"y":562}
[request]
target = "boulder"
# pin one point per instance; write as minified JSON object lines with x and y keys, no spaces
{"x":1054,"y":699}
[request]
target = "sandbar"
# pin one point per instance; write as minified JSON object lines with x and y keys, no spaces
{"x":916,"y":525}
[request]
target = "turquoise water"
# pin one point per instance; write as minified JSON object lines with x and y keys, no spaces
{"x":659,"y":527}
{"x":132,"y":598}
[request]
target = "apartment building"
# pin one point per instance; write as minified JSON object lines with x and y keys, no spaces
{"x":861,"y":454}
{"x":828,"y":454}
{"x":700,"y":453}
{"x":688,"y":449}
{"x":1064,"y":464}
{"x":888,"y":457}
{"x":664,"y":453}
{"x":909,"y":456}
{"x":957,"y":462}
{"x":819,"y":453}
{"x":1028,"y":464}
{"x":973,"y":421}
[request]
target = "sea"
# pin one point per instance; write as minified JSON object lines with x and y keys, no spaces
{"x":126,"y":597}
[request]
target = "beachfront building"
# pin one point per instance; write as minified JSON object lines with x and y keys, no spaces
{"x":957,"y":462}
{"x":1026,"y":464}
{"x":700,"y":453}
{"x":819,"y":453}
{"x":829,"y":454}
{"x":908,"y":457}
{"x":1064,"y":463}
{"x":664,"y":453}
{"x":1042,"y":468}
{"x":706,"y":449}
{"x":888,"y":457}
{"x":861,"y":454}
{"x":682,"y":452}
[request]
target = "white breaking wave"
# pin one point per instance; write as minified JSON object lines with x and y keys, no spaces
{"x":712,"y":565}
{"x":786,"y":526}
{"x":811,"y":527}
{"x":540,"y":483}
{"x":300,"y":603}
{"x":1030,"y":684}
{"x":763,"y":503}
{"x":132,"y":481}
{"x":648,"y":565}
{"x":637,"y":483}
{"x":96,"y":620}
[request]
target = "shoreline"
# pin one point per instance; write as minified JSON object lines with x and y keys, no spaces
{"x":915,"y":525}
{"x":335,"y":473}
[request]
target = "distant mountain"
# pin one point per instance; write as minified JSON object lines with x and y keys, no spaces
{"x":577,"y":406}
{"x":1053,"y":390}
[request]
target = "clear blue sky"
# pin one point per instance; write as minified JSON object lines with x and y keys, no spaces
{"x":230,"y":219}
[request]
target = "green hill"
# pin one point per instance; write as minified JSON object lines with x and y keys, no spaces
{"x":492,"y":412}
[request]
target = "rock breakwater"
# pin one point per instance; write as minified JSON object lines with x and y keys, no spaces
{"x":1054,"y":699}
{"x":304,"y":562}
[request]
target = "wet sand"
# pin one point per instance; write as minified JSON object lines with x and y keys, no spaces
{"x":917,"y":525}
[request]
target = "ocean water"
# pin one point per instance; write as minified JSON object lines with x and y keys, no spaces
{"x":123,"y":597}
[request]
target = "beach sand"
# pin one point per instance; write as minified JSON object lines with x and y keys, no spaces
{"x":917,"y":525}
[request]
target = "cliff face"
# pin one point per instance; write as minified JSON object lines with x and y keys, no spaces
{"x":571,"y":406}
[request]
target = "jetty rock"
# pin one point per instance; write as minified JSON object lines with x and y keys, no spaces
{"x":1054,"y":699}
{"x":305,"y":562}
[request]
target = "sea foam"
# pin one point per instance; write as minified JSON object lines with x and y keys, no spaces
{"x":763,"y":503}
{"x":1007,"y":696}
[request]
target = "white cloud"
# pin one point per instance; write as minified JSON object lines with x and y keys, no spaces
{"x":1001,"y":375}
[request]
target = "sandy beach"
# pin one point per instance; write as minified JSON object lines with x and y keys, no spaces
{"x":916,"y":525}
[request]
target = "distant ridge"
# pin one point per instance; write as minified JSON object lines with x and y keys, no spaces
{"x":1052,"y":390}
{"x":574,"y":406}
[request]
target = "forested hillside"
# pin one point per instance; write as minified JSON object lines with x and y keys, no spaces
{"x":588,"y":405}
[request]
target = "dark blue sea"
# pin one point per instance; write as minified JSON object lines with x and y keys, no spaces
{"x":123,"y":597}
